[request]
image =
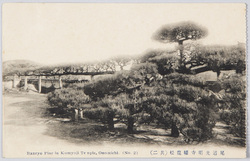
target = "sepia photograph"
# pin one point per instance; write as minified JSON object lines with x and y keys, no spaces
{"x":124,"y":80}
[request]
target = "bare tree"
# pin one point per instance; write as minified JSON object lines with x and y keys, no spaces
{"x":122,"y":61}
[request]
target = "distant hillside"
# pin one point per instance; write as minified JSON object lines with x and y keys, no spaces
{"x":16,"y":66}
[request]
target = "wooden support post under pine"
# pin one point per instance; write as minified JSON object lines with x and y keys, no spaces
{"x":25,"y":82}
{"x":14,"y":82}
{"x":60,"y":82}
{"x":40,"y":84}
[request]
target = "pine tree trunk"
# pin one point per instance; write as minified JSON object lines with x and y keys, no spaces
{"x":218,"y":74}
{"x":130,"y":125}
{"x":174,"y":130}
{"x":240,"y":67}
{"x":110,"y":121}
{"x":72,"y":114}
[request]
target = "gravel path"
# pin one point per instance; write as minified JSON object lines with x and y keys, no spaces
{"x":24,"y":126}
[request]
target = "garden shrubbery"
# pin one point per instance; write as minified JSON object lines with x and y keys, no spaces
{"x":183,"y":108}
{"x":179,"y":102}
{"x":233,"y":106}
{"x":69,"y":101}
{"x":154,"y":92}
{"x":68,"y":98}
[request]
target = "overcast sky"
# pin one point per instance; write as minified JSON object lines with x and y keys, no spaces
{"x":67,"y":33}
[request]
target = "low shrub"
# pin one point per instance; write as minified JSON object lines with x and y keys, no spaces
{"x":68,"y":98}
{"x":102,"y":111}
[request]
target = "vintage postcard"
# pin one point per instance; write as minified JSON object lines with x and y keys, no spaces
{"x":124,"y":80}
